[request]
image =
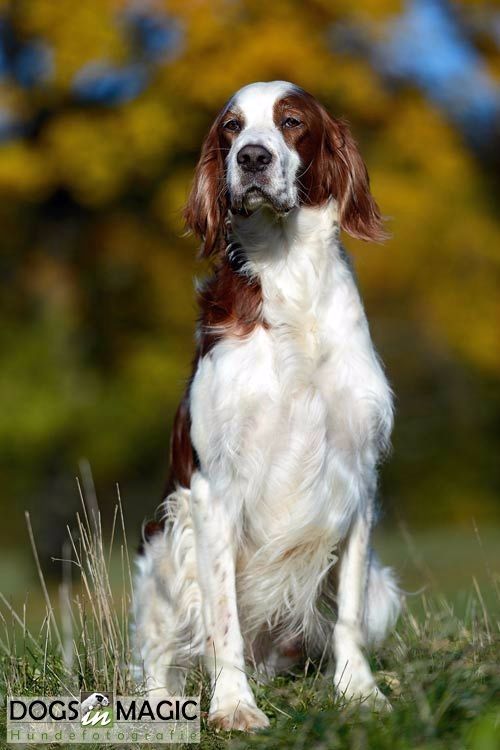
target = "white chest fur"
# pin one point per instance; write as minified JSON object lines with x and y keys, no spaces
{"x":288,"y":423}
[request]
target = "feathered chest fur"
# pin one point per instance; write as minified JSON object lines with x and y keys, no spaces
{"x":283,"y":417}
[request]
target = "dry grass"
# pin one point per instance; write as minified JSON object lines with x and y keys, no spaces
{"x":86,"y":645}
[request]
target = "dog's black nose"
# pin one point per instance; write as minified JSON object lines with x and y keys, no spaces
{"x":253,"y":158}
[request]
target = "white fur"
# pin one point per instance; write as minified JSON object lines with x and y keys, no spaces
{"x":92,"y":701}
{"x":167,"y":623}
{"x":288,"y":425}
{"x":383,"y":603}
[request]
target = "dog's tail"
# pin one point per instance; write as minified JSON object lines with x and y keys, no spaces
{"x":384,"y":599}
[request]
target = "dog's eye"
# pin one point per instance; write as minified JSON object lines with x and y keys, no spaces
{"x":232,"y":125}
{"x":290,"y":122}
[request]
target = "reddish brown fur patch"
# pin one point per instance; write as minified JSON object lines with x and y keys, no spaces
{"x":331,"y":165}
{"x":230,"y":306}
{"x":183,"y":460}
{"x":208,"y":201}
{"x":293,"y":649}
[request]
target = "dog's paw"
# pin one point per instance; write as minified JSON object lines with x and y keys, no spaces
{"x":378,"y":702}
{"x":238,"y":715}
{"x":354,"y":681}
{"x":367,"y":695}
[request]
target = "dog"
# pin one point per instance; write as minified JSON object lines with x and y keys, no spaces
{"x":263,"y":550}
{"x":96,"y":699}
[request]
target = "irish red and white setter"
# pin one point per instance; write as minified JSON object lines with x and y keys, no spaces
{"x":263,"y":553}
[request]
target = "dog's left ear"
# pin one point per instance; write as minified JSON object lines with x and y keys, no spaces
{"x":207,"y":204}
{"x":346,"y":178}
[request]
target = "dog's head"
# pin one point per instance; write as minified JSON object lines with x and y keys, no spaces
{"x":100,"y":699}
{"x":274,"y":145}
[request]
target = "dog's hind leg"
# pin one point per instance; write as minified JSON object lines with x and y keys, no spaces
{"x":167,"y":625}
{"x":383,"y":602}
{"x":353,"y":677}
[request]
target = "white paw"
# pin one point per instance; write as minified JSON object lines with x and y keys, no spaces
{"x":155,"y":688}
{"x":378,"y":702}
{"x":365,"y":693}
{"x":239,"y":715}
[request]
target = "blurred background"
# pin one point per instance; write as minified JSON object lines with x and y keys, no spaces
{"x":103,"y":107}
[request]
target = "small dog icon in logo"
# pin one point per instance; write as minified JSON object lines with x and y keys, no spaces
{"x":96,"y":709}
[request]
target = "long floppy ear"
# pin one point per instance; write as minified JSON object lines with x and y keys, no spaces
{"x":347,"y":180}
{"x":207,"y":204}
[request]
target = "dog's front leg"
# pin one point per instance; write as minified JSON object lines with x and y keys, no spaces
{"x":353,"y":677}
{"x":233,"y":704}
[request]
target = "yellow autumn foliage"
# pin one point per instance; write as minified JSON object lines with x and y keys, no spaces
{"x":98,"y":307}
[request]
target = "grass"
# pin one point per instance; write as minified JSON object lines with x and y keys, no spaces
{"x":440,"y":668}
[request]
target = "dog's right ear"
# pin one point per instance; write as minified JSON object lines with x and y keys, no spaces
{"x":208,"y":204}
